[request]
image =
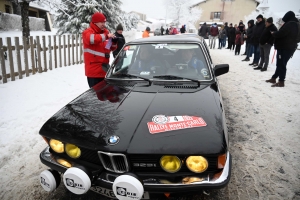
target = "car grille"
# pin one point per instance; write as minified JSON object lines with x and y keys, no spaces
{"x":114,"y":162}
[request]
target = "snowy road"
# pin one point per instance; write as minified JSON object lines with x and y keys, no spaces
{"x":263,"y":122}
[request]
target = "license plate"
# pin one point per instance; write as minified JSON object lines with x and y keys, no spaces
{"x":109,"y":193}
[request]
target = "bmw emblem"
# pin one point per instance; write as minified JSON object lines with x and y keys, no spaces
{"x":113,"y":140}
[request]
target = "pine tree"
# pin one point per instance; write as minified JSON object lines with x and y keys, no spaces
{"x":75,"y":16}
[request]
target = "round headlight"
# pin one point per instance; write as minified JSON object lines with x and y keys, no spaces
{"x":73,"y":151}
{"x":170,"y":164}
{"x":196,"y":164}
{"x":57,"y":146}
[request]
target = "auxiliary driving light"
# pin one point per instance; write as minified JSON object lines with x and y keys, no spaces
{"x":73,"y":151}
{"x":196,"y":164}
{"x":57,"y":146}
{"x":64,"y":162}
{"x":170,"y":164}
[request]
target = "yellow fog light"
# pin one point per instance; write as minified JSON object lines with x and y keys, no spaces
{"x":170,"y":164}
{"x":196,"y":164}
{"x":73,"y":151}
{"x":57,"y":146}
{"x":64,"y":162}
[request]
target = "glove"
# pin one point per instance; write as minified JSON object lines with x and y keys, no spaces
{"x":115,"y":39}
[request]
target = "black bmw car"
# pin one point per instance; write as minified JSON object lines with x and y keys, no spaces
{"x":155,"y":126}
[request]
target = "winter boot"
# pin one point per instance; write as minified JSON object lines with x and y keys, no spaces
{"x":279,"y":84}
{"x":272,"y":80}
{"x":246,"y":59}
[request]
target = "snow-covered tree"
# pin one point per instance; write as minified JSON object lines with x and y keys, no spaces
{"x":276,"y":17}
{"x":129,"y":21}
{"x":74,"y":16}
{"x":183,"y":12}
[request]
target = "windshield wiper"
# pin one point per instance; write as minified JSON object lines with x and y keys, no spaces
{"x":135,"y":76}
{"x":172,"y":77}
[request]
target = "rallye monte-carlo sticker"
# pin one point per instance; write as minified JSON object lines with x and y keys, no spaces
{"x":162,"y":123}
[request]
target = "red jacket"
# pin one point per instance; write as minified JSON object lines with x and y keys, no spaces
{"x":214,"y":31}
{"x":94,"y":41}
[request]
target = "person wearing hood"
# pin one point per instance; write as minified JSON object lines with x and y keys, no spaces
{"x":257,"y":32}
{"x":285,"y":44}
{"x":146,"y":33}
{"x":214,"y":32}
{"x":97,"y":48}
{"x":182,"y":29}
{"x":121,"y":39}
{"x":248,"y":37}
{"x":265,"y":43}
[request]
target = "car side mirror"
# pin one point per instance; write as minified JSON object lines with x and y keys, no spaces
{"x":221,"y":69}
{"x":105,"y":67}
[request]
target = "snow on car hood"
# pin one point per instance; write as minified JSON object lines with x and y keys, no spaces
{"x":146,"y":119}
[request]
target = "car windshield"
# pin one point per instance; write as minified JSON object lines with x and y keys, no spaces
{"x":153,"y":61}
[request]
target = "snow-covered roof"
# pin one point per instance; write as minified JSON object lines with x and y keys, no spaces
{"x":37,"y":6}
{"x":196,"y":2}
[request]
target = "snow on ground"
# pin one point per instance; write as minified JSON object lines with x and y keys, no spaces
{"x":263,"y":124}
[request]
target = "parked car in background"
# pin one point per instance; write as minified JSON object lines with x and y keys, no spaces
{"x":155,"y":126}
{"x":157,"y":32}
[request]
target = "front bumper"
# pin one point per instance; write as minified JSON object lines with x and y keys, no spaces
{"x":106,"y":179}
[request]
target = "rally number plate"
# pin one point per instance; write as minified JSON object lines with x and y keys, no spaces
{"x":109,"y":193}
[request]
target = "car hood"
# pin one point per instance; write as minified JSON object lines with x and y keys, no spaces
{"x":127,"y":112}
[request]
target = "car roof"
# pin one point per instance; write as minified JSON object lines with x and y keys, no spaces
{"x":169,"y":38}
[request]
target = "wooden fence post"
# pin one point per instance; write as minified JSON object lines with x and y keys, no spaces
{"x":38,"y":46}
{"x":59,"y":50}
{"x":50,"y":52}
{"x":64,"y":45}
{"x":32,"y":55}
{"x":3,"y":68}
{"x":10,"y":57}
{"x":17,"y":49}
{"x":80,"y":48}
{"x":44,"y":52}
{"x":25,"y":45}
{"x":54,"y":49}
{"x":69,"y":54}
{"x":73,"y":53}
{"x":76,"y":41}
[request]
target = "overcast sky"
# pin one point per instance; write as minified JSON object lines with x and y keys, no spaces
{"x":152,"y":8}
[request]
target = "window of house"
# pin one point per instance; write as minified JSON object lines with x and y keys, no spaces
{"x":217,"y":15}
{"x":7,"y":9}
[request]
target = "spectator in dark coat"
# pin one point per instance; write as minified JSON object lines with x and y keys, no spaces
{"x":182,"y":29}
{"x":203,"y":31}
{"x":241,"y":27}
{"x":226,"y":29}
{"x":232,"y":37}
{"x":248,"y":37}
{"x":162,"y":30}
{"x":265,"y":43}
{"x":257,"y":32}
{"x":285,"y":44}
{"x":121,"y":39}
{"x":167,"y":31}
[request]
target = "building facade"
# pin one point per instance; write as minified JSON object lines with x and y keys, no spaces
{"x":221,"y":11}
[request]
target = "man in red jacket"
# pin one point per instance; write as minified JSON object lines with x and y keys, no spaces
{"x":97,"y":48}
{"x":214,"y":32}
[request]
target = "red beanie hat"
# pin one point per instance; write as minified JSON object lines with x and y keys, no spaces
{"x":98,"y":17}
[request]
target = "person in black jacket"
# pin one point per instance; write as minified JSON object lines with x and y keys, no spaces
{"x":248,"y":37}
{"x":227,"y":33}
{"x":257,"y":31}
{"x":232,"y":33}
{"x":203,"y":31}
{"x":265,"y":43}
{"x":120,"y":38}
{"x":285,"y":44}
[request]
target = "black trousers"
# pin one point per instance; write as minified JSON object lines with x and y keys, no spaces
{"x":237,"y":49}
{"x":283,"y":56}
{"x":94,"y":81}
